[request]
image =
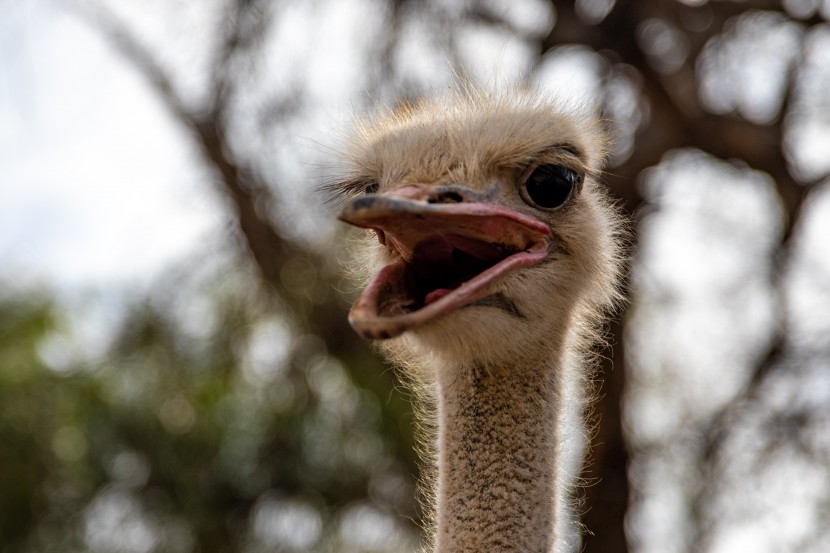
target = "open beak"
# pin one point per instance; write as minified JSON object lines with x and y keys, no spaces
{"x":444,"y":257}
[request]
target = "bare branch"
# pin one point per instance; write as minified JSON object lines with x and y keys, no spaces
{"x":244,"y":27}
{"x":676,"y":120}
{"x":249,"y":195}
{"x":131,"y":48}
{"x":250,"y":198}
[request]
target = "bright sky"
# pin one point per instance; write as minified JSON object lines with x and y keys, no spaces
{"x":96,"y":185}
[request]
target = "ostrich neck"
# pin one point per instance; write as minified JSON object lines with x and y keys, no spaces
{"x":497,"y":458}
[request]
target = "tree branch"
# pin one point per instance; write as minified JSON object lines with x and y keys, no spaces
{"x":250,"y":198}
{"x":245,"y":24}
{"x":677,"y":120}
{"x":133,"y":50}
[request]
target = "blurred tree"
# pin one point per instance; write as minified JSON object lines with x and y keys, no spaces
{"x":188,"y":435}
{"x":237,"y":412}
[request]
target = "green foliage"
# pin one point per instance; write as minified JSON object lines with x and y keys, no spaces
{"x":208,"y":424}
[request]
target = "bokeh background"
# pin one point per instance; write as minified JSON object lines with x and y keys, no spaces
{"x":176,"y":371}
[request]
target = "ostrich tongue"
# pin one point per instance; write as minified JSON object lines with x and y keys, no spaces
{"x":443,"y":257}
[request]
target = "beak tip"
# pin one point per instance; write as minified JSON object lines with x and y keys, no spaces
{"x":357,"y":207}
{"x":371,"y":332}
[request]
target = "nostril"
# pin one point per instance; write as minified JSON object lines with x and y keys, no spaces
{"x":447,"y":197}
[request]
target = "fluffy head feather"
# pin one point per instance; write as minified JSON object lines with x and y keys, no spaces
{"x":484,"y":140}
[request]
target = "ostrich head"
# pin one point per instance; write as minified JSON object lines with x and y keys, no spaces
{"x":490,"y":231}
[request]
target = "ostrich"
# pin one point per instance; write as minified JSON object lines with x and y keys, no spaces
{"x":492,"y":256}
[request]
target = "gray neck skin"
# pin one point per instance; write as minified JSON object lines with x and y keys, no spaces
{"x":497,"y":441}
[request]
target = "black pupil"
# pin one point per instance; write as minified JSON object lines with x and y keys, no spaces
{"x":550,"y":186}
{"x":371,"y":188}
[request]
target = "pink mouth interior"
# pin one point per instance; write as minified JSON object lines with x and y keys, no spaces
{"x":439,"y":264}
{"x":444,"y":258}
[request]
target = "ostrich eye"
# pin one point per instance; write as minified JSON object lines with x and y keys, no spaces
{"x":371,"y":188}
{"x":549,"y":186}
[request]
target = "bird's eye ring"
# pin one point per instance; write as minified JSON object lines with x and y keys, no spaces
{"x":549,"y":186}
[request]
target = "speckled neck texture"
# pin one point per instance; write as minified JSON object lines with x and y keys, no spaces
{"x":497,"y":459}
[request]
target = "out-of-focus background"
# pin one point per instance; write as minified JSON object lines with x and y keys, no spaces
{"x":176,"y":371}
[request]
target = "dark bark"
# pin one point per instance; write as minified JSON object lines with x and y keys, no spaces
{"x":677,"y":120}
{"x":606,"y":497}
